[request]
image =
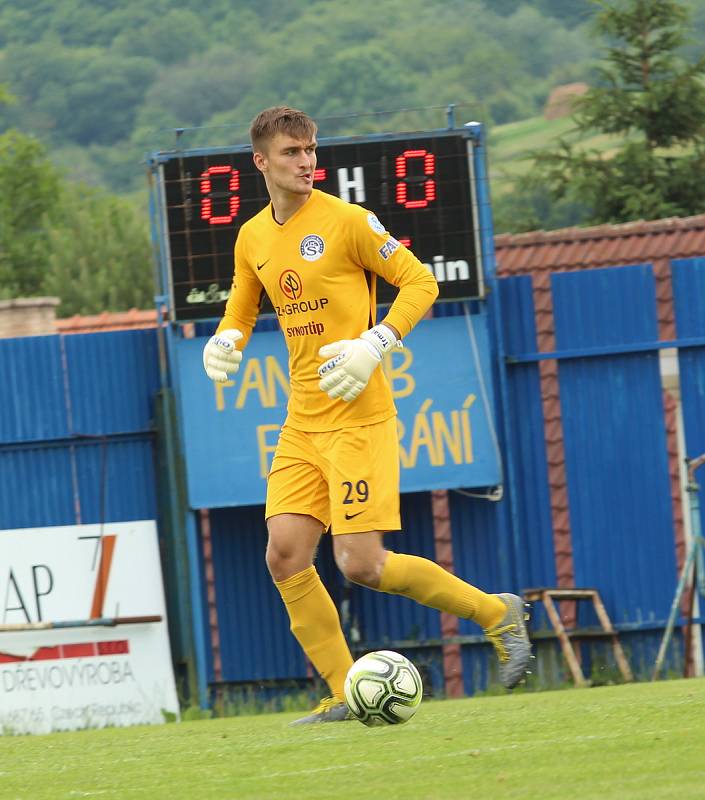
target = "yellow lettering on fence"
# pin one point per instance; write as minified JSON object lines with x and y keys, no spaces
{"x":421,"y":436}
{"x":219,"y":394}
{"x":439,"y":432}
{"x":401,"y":380}
{"x":265,"y":448}
{"x":252,"y":378}
{"x":442,"y":435}
{"x":467,"y":430}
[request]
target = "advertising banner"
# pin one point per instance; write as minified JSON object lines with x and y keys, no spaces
{"x":73,"y":676}
{"x":442,"y":387}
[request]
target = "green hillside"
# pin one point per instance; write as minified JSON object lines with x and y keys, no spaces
{"x":510,"y":147}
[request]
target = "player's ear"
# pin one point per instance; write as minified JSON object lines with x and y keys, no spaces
{"x":260,"y":160}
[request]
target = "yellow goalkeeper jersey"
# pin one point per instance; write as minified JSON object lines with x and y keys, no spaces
{"x":319,"y":270}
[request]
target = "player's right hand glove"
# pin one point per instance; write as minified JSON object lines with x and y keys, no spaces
{"x":351,"y":362}
{"x":220,"y":358}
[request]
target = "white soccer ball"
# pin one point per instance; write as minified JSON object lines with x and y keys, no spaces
{"x":383,"y":688}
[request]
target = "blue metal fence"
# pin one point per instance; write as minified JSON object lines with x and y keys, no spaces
{"x":76,"y":429}
{"x":615,"y":441}
{"x":613,"y":429}
{"x":255,"y":643}
{"x":77,"y":436}
{"x":689,"y":302}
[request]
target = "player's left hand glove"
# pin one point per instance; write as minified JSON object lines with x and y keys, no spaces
{"x":351,"y":362}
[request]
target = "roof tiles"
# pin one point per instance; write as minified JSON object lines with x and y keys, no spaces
{"x":600,"y":246}
{"x":108,"y":321}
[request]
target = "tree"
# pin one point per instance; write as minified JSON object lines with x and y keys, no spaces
{"x":655,"y":102}
{"x":100,"y":256}
{"x":88,"y":248}
{"x":28,"y":191}
{"x":169,"y":38}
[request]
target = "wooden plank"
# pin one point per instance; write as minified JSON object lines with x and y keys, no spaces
{"x":568,"y":653}
{"x":619,"y":656}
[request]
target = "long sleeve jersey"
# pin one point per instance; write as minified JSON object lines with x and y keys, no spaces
{"x":319,"y":270}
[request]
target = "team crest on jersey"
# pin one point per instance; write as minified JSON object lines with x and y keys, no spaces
{"x":375,"y":224}
{"x":312,"y":247}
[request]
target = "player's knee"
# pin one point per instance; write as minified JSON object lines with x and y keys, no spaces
{"x":273,"y":561}
{"x":360,"y":570}
{"x":281,"y":562}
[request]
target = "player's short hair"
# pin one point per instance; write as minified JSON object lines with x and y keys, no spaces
{"x":280,"y":119}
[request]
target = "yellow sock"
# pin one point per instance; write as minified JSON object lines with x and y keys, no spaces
{"x":429,"y":584}
{"x":316,"y":625}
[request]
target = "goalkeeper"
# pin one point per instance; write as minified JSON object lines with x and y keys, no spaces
{"x":336,"y":464}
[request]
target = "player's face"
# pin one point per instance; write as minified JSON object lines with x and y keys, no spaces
{"x":288,"y":164}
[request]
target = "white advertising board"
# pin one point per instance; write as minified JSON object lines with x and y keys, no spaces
{"x":66,"y":678}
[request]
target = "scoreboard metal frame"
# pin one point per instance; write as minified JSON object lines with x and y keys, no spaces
{"x":428,"y":188}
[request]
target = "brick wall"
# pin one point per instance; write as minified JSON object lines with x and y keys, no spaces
{"x":28,"y":316}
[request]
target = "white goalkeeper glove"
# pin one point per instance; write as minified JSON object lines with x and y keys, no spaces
{"x":351,"y":362}
{"x":220,"y":358}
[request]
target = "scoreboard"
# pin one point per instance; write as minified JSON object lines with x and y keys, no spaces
{"x":421,"y":187}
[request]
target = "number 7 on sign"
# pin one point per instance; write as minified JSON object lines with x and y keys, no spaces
{"x":105,"y":545}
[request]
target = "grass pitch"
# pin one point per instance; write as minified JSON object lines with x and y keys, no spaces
{"x":633,"y":742}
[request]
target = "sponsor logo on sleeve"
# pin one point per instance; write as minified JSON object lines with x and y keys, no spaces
{"x":388,"y":248}
{"x":375,"y":224}
{"x":312,"y":247}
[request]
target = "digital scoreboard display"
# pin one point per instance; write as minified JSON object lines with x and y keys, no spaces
{"x":420,"y":187}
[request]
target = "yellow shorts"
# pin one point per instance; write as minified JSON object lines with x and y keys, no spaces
{"x":348,"y":479}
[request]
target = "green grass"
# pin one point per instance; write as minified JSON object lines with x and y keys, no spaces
{"x":509,"y":144}
{"x":631,"y":742}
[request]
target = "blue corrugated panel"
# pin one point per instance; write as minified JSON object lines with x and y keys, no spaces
{"x":689,"y":285}
{"x":533,"y":539}
{"x":383,"y":617}
{"x":518,"y":318}
{"x":479,"y":528}
{"x":641,"y":649}
{"x":36,"y":487}
{"x":255,"y":640}
{"x":688,"y":281}
{"x":492,"y":550}
{"x":116,"y":481}
{"x":526,"y":445}
{"x":113,"y":378}
{"x":483,"y":558}
{"x":103,"y":383}
{"x":604,"y":306}
{"x":615,"y":443}
{"x":62,"y":485}
{"x":32,"y":393}
{"x":451,"y":309}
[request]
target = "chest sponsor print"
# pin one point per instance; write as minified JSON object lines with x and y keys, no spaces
{"x":290,"y":283}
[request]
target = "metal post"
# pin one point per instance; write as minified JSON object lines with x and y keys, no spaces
{"x":512,"y":573}
{"x":694,"y":502}
{"x":694,"y":560}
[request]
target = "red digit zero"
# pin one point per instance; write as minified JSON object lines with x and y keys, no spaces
{"x":429,"y":185}
{"x":233,"y":181}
